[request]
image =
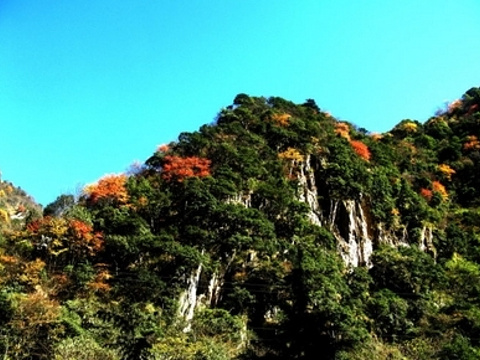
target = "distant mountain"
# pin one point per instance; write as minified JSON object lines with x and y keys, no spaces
{"x":16,"y":207}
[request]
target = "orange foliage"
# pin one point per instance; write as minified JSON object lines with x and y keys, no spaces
{"x":100,"y":281}
{"x":446,"y":170}
{"x":291,"y":154}
{"x":21,"y":271}
{"x":163,"y":148}
{"x":34,"y":310}
{"x":31,"y":273}
{"x":48,"y":226}
{"x":10,"y":267}
{"x":343,"y":130}
{"x":454,"y":105}
{"x":83,"y":240}
{"x":438,"y":187}
{"x":8,"y":260}
{"x":179,"y":168}
{"x":80,"y":229}
{"x":34,"y":226}
{"x":472,"y":143}
{"x":109,"y":187}
{"x":58,"y":283}
{"x":281,"y":119}
{"x":361,"y":149}
{"x":48,"y":234}
{"x":58,"y":236}
{"x":426,"y":193}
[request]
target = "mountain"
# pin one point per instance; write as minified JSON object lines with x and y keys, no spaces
{"x":277,"y":232}
{"x":16,"y":207}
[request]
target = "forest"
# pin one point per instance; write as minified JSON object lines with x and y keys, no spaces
{"x":275,"y":232}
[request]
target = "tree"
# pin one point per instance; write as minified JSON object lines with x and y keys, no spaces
{"x":322,"y":318}
{"x":179,"y":168}
{"x":361,"y":149}
{"x":110,"y":188}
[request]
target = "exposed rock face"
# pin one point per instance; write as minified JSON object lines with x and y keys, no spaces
{"x":188,"y":300}
{"x":241,"y":199}
{"x":349,"y":224}
{"x":214,"y":287}
{"x":399,"y":238}
{"x":309,"y":192}
{"x":345,"y":218}
{"x":426,"y":241}
{"x":203,"y":289}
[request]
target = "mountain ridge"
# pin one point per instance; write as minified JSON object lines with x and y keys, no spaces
{"x":276,"y":232}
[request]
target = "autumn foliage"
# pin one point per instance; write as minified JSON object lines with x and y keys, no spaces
{"x":438,"y":187}
{"x":83,"y":240}
{"x":111,"y":187}
{"x":361,"y":149}
{"x":343,"y":130}
{"x":410,"y":127}
{"x":281,"y":119}
{"x":456,"y":104}
{"x":4,"y":216}
{"x":291,"y":154}
{"x":48,"y":226}
{"x":163,"y":148}
{"x":58,"y":236}
{"x":426,"y":194}
{"x":100,"y":281}
{"x":179,"y":168}
{"x":446,"y":170}
{"x":472,"y":143}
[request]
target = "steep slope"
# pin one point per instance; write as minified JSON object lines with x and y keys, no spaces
{"x":276,"y":232}
{"x":16,"y":207}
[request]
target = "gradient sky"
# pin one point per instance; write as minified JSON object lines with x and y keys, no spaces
{"x":87,"y":87}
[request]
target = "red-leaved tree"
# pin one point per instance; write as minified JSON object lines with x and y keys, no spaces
{"x":361,"y":149}
{"x":426,"y":194}
{"x":83,"y":241}
{"x":179,"y":168}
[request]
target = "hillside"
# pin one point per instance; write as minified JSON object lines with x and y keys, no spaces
{"x":16,"y":207}
{"x":277,"y":232}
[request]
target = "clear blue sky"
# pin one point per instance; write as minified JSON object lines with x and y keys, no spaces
{"x":87,"y":86}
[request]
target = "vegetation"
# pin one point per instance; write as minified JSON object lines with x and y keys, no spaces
{"x":209,"y":251}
